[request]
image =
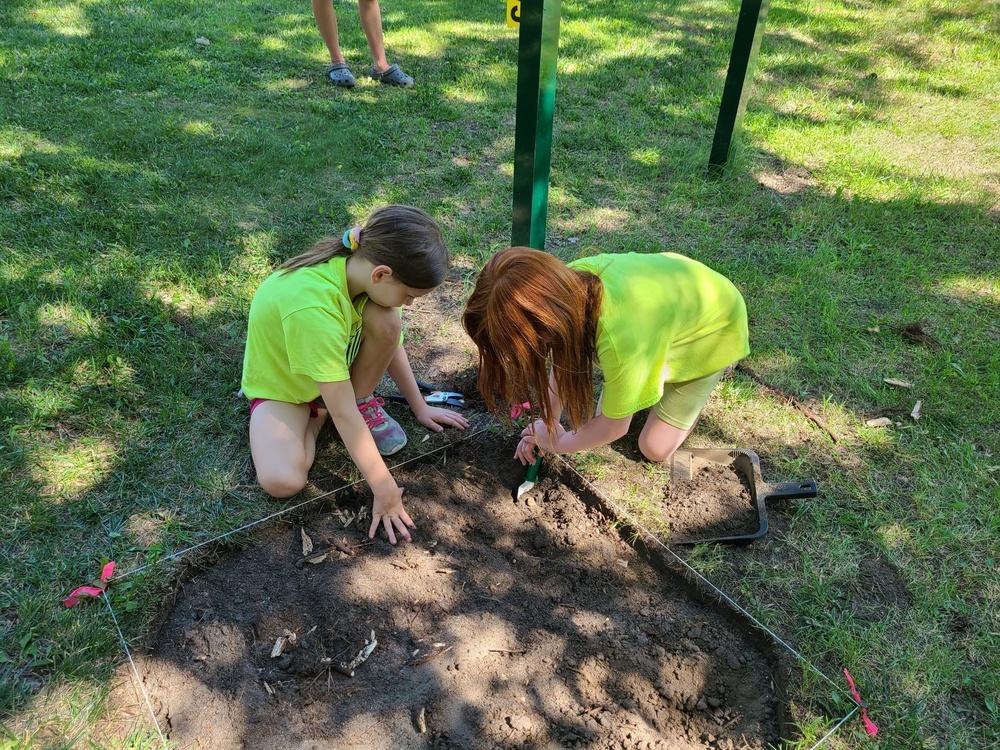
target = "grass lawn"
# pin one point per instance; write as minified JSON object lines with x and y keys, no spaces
{"x":149,"y":182}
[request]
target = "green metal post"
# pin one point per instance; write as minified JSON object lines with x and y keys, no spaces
{"x":749,"y":30}
{"x":537,"y":53}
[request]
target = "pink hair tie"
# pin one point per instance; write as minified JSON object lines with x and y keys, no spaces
{"x":352,"y":238}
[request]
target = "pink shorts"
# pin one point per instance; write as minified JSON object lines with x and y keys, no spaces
{"x":314,"y":406}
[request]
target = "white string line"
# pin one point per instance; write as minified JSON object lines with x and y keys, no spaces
{"x":276,"y":514}
{"x":135,"y":670}
{"x":836,"y":726}
{"x":632,"y":519}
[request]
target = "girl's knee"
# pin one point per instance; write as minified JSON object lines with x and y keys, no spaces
{"x":281,"y":484}
{"x":381,"y":324}
{"x":657,"y":453}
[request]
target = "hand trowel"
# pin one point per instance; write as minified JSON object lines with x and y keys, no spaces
{"x":531,"y":475}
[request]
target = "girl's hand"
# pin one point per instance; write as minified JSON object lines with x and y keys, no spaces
{"x":537,"y":435}
{"x":436,"y":419}
{"x":388,"y":510}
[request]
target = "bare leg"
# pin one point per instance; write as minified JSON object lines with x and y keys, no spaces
{"x":283,"y":445}
{"x":326,"y":21}
{"x":371,"y":22}
{"x":658,"y":440}
{"x":380,"y":328}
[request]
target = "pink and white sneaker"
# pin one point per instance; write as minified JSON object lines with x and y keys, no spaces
{"x":389,"y":436}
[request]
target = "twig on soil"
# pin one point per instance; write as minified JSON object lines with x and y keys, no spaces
{"x":430,"y":657}
{"x":506,"y":651}
{"x":343,"y":547}
{"x":348,"y":668}
{"x":809,"y":413}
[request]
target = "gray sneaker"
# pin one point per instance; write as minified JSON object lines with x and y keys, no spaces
{"x":389,"y":436}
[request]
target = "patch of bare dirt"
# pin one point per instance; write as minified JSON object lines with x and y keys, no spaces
{"x":504,"y":624}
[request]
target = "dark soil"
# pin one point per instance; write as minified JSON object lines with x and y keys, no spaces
{"x":504,"y":624}
{"x":715,"y":504}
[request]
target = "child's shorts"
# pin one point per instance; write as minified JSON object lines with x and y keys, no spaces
{"x":682,"y":402}
{"x":314,"y":406}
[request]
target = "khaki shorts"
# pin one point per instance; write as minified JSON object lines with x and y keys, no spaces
{"x":682,"y":402}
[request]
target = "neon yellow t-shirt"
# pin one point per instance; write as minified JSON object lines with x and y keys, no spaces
{"x":664,"y":318}
{"x":303,"y":329}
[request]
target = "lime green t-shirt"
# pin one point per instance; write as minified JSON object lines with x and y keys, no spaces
{"x":303,"y":329}
{"x":664,"y":318}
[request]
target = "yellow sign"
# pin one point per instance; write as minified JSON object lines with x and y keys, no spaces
{"x":513,"y":13}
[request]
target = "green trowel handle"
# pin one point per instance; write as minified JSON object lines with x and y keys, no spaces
{"x":532,"y":474}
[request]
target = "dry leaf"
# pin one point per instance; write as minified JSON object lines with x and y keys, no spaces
{"x":879,"y":422}
{"x":202,"y":41}
{"x":916,"y":410}
{"x":307,"y":542}
{"x":898,"y":383}
{"x":316,"y":560}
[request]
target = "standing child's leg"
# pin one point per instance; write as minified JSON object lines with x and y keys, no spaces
{"x":371,"y":22}
{"x":283,"y":445}
{"x":380,"y":330}
{"x":326,"y":22}
{"x":671,"y":420}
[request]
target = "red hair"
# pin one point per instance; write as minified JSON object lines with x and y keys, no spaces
{"x":529,"y":311}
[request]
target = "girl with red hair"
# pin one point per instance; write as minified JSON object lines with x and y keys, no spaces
{"x":662,"y":328}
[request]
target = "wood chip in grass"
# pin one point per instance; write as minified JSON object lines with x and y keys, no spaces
{"x":896,"y":382}
{"x":879,"y":422}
